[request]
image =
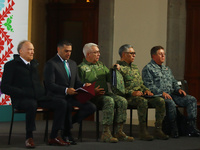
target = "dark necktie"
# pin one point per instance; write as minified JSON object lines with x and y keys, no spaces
{"x":28,"y":65}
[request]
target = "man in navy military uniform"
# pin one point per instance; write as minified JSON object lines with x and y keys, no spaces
{"x":160,"y":80}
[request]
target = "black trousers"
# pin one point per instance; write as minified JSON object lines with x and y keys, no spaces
{"x":85,"y":110}
{"x":59,"y":108}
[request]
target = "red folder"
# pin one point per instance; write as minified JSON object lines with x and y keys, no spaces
{"x":85,"y":93}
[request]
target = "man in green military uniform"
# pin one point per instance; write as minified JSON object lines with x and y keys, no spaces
{"x":139,"y":95}
{"x":92,"y":70}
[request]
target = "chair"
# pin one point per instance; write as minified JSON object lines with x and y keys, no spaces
{"x":46,"y":113}
{"x":39,"y":110}
{"x":131,"y":117}
{"x":75,"y":109}
{"x":97,"y":124}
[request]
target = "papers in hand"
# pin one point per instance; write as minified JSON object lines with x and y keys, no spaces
{"x":85,"y":93}
{"x":158,"y":95}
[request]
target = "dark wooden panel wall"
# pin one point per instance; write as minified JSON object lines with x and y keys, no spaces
{"x":192,"y":56}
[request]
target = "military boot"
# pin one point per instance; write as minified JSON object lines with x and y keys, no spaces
{"x":144,"y":134}
{"x":158,"y":133}
{"x":192,"y":130}
{"x":106,"y":135}
{"x":120,"y":135}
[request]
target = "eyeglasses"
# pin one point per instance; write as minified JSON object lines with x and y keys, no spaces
{"x":97,"y":52}
{"x":132,"y":53}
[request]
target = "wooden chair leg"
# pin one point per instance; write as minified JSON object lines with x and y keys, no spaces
{"x":97,"y":125}
{"x":46,"y":127}
{"x":80,"y":131}
{"x":113,"y":131}
{"x":131,"y":117}
{"x":11,"y":125}
{"x":147,"y":118}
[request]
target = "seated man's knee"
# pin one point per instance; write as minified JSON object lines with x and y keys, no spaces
{"x":109,"y":102}
{"x":61,"y":104}
{"x":89,"y":107}
{"x":170,"y":103}
{"x":29,"y":105}
{"x":142,"y":101}
{"x":192,"y":98}
{"x":121,"y":102}
{"x":124,"y":102}
{"x":161,"y":101}
{"x":93,"y":107}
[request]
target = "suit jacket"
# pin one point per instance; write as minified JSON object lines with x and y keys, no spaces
{"x":56,"y":79}
{"x":21,"y":82}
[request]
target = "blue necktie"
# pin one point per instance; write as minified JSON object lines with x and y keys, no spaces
{"x":66,"y":68}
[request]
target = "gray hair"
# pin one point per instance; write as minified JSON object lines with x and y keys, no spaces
{"x":124,"y":48}
{"x":21,"y":44}
{"x":87,"y":48}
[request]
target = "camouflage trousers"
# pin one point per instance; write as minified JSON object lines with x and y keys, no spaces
{"x":142,"y":104}
{"x":108,"y":103}
{"x":187,"y":101}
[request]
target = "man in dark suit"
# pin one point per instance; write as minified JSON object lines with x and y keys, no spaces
{"x":61,"y":80}
{"x":21,"y":81}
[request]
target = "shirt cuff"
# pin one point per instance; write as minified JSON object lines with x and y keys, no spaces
{"x":66,"y":91}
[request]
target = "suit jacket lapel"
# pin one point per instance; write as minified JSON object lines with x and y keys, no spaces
{"x":70,"y":67}
{"x":61,"y":67}
{"x":72,"y":73}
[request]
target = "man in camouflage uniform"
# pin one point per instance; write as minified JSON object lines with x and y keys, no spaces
{"x":159,"y":79}
{"x":92,"y":70}
{"x":139,"y":95}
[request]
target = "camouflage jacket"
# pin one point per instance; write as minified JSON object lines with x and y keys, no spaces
{"x":159,"y":79}
{"x":97,"y":72}
{"x":132,"y":78}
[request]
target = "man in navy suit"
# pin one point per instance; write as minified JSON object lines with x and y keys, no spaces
{"x":61,"y":80}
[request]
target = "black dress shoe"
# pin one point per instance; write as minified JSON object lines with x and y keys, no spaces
{"x":71,"y":140}
{"x":194,"y":134}
{"x":174,"y":134}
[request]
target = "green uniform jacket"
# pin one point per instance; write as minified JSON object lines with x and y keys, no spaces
{"x":132,"y":78}
{"x":98,"y":72}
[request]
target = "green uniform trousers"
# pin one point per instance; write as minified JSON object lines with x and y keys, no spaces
{"x":142,"y":104}
{"x":108,"y":103}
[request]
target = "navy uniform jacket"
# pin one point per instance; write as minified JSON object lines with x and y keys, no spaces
{"x":159,"y":79}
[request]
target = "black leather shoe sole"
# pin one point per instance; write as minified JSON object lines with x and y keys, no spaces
{"x":73,"y":142}
{"x":175,"y":135}
{"x":193,"y":134}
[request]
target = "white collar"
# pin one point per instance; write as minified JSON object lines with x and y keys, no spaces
{"x":61,"y":58}
{"x":26,"y":62}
